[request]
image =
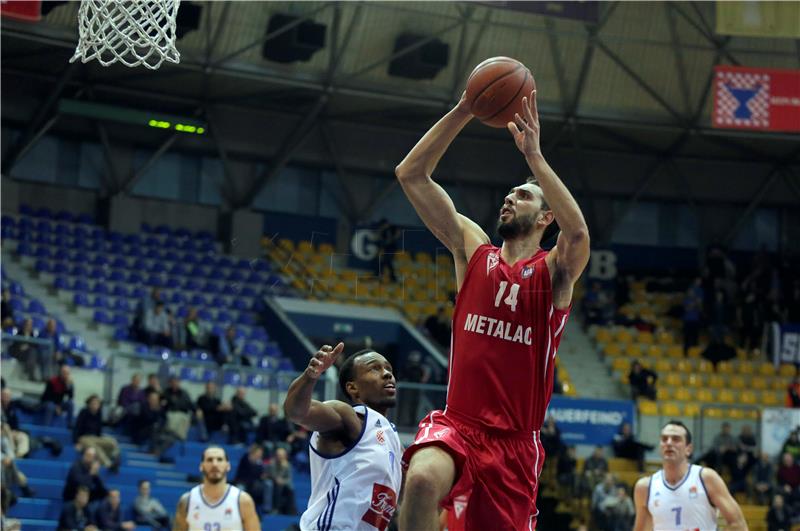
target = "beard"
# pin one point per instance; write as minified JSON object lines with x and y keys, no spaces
{"x":518,"y":226}
{"x":214,"y":480}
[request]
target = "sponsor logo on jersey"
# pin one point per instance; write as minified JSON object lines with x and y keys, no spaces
{"x":693,"y":491}
{"x":527,"y":271}
{"x":380,"y":437}
{"x":489,"y":326}
{"x":378,"y":423}
{"x":382,"y":507}
{"x":228,"y":513}
{"x":459,"y":505}
{"x":441,"y":433}
{"x":491,"y":262}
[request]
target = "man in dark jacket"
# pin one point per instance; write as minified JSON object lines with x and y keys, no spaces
{"x":57,"y":397}
{"x":273,"y":428}
{"x":180,"y":410}
{"x":75,"y":515}
{"x":214,"y":412}
{"x":88,"y":432}
{"x":241,"y":417}
{"x":108,"y":515}
{"x":252,"y":476}
{"x":85,"y":473}
{"x":642,"y":381}
{"x":150,"y":426}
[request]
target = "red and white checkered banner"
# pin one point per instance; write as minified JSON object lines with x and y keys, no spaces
{"x":756,"y":98}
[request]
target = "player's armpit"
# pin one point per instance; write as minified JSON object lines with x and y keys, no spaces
{"x":180,"y":523}
{"x":721,"y":498}
{"x":332,"y":415}
{"x":644,"y":520}
{"x":247,"y":508}
{"x":571,"y":254}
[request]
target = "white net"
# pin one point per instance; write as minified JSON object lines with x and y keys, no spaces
{"x":131,"y":32}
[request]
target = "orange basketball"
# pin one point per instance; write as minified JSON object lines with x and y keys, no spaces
{"x":495,"y":89}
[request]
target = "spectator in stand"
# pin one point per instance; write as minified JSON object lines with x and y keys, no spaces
{"x":180,"y":411}
{"x":602,"y":499}
{"x":389,"y":235}
{"x":551,"y":437}
{"x":619,"y":511}
{"x":252,"y":476}
{"x":153,"y":385}
{"x":241,"y":417}
{"x":273,"y":429}
{"x":88,"y":433}
{"x":20,"y":439}
{"x":627,"y":447}
{"x":149,"y":511}
{"x":150,"y":426}
{"x":750,"y":317}
{"x":280,"y":471}
{"x":793,"y":304}
{"x":595,"y":468}
{"x":191,"y":332}
{"x":108,"y":515}
{"x":642,"y":381}
{"x":230,"y":349}
{"x":85,"y":473}
{"x":298,"y":447}
{"x":75,"y":516}
{"x":566,"y":471}
{"x":7,"y":310}
{"x":129,"y":401}
{"x":58,"y":357}
{"x":157,"y":327}
{"x":33,"y":358}
{"x":793,"y":393}
{"x":778,"y":517}
{"x":692,"y":315}
{"x":792,"y":444}
{"x":57,"y":397}
{"x":788,"y":472}
{"x":720,"y":319}
{"x":212,"y":410}
{"x":596,"y":305}
{"x":763,"y":479}
{"x":11,"y":475}
{"x":747,"y":444}
{"x":7,"y":499}
{"x":412,"y":372}
{"x":738,"y":482}
{"x":146,"y":304}
{"x":722,"y":451}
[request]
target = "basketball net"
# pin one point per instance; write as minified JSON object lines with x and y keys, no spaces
{"x":131,"y":32}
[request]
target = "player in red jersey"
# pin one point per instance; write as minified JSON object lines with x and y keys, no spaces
{"x":510,"y":312}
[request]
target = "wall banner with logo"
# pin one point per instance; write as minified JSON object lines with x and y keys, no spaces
{"x":786,"y":343}
{"x":756,"y":98}
{"x":776,"y":425}
{"x":588,"y":421}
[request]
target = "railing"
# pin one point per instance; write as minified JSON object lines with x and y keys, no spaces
{"x":32,"y":353}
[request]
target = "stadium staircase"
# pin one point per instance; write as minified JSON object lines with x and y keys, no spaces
{"x":587,"y":375}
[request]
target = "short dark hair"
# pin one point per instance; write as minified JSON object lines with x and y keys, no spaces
{"x":682,"y":425}
{"x":347,"y":371}
{"x":552,"y":229}
{"x":213,"y":447}
{"x":142,"y":482}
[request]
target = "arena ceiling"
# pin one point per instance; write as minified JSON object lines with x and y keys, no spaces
{"x":636,"y":82}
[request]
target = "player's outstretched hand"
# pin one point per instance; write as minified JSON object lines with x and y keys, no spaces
{"x":525,"y":130}
{"x":323,"y":359}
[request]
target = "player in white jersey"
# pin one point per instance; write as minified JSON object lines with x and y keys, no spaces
{"x":214,"y":505}
{"x":354,"y":451}
{"x":682,"y":496}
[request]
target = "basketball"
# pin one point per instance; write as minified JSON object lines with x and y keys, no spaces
{"x":495,"y":89}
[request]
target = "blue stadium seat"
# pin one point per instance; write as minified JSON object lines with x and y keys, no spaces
{"x":61,"y":283}
{"x":77,"y":343}
{"x":258,"y":334}
{"x":178,"y":269}
{"x":192,"y":284}
{"x":102,"y":317}
{"x":248,"y":291}
{"x":246,"y":319}
{"x":117,"y":275}
{"x":120,"y":290}
{"x":120,"y":320}
{"x":178,"y":298}
{"x":98,"y":363}
{"x":8,"y":221}
{"x":63,"y":215}
{"x":36,"y":306}
{"x":43,"y":226}
{"x":199,"y":300}
{"x":80,"y":299}
{"x":122,"y":305}
{"x":24,"y":249}
{"x":232,"y":378}
{"x":100,"y":288}
{"x":240,"y":304}
{"x":59,"y":268}
{"x":135,"y":278}
{"x":121,"y":334}
{"x":79,"y":270}
{"x":42,"y":266}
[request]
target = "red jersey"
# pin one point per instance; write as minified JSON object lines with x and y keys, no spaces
{"x":505,"y":335}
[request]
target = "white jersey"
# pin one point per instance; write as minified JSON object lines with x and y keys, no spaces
{"x":222,"y":516}
{"x":357,"y":489}
{"x":682,"y":507}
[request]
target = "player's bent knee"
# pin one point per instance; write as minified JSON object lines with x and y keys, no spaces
{"x":430,"y":475}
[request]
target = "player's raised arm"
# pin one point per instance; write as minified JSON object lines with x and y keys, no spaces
{"x":721,"y":498}
{"x":314,"y":415}
{"x":429,"y":199}
{"x":572,"y":249}
{"x":644,"y":520}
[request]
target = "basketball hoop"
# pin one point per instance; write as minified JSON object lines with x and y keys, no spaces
{"x":131,"y":32}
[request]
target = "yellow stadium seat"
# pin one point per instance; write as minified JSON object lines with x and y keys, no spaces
{"x":663,"y":393}
{"x":683,"y":366}
{"x":633,"y":350}
{"x":714,"y":413}
{"x":683,"y":393}
{"x":726,"y":396}
{"x":787,"y":370}
{"x":694,"y":380}
{"x":305,"y":247}
{"x":725,"y":367}
{"x":691,"y":409}
{"x":665,"y":338}
{"x":704,"y":395}
{"x":675,"y":351}
{"x":758,"y":382}
{"x":423,"y":257}
{"x":737,"y":382}
{"x":674,"y":379}
{"x":602,"y":335}
{"x":766,"y":369}
{"x":717,"y":381}
{"x":746,"y":367}
{"x":655,"y":351}
{"x":621,"y":364}
{"x":663,"y":365}
{"x":705,"y":366}
{"x":748,"y":397}
{"x":624,"y":335}
{"x":769,"y":398}
{"x":741,"y":354}
{"x":646,"y":338}
{"x":670,"y":409}
{"x":694,"y":352}
{"x":648,"y":407}
{"x":287,"y":244}
{"x":325,"y":249}
{"x":735,"y":413}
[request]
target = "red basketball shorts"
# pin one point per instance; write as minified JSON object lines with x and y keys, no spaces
{"x":497,"y":472}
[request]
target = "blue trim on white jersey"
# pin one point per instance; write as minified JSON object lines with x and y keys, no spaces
{"x":325,"y":519}
{"x":681,"y":482}
{"x":352,"y":445}
{"x":703,"y":483}
{"x":203,"y":498}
